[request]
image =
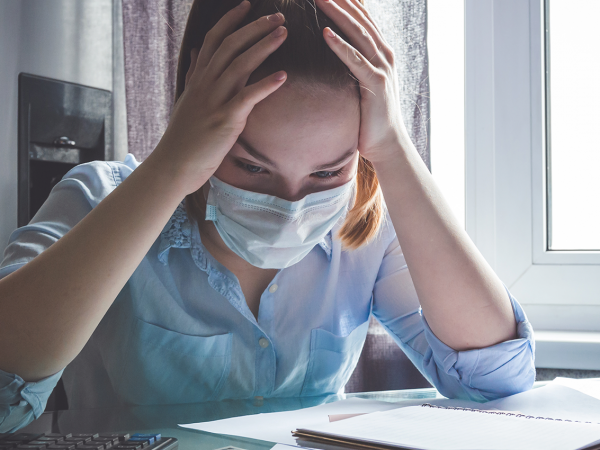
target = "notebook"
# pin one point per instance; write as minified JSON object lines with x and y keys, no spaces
{"x":432,"y":427}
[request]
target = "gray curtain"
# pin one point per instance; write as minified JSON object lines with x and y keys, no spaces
{"x":152,"y":32}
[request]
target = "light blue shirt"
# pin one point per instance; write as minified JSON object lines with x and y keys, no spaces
{"x":180,"y":330}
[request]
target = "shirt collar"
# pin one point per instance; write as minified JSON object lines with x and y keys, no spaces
{"x":177,"y":233}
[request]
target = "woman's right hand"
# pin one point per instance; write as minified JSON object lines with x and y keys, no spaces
{"x":212,"y":111}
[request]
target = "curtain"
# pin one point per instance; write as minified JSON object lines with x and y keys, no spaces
{"x":152,"y":33}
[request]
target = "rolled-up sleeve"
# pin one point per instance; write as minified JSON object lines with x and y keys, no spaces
{"x":21,"y":401}
{"x":481,"y":374}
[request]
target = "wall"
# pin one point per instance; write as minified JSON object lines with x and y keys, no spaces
{"x":70,"y":40}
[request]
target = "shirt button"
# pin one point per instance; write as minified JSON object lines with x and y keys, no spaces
{"x":273,"y":288}
{"x":264,"y":343}
{"x":259,"y":398}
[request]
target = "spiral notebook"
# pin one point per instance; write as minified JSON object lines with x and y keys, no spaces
{"x":429,"y":427}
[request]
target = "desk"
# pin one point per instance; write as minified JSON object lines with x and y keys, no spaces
{"x":164,"y":419}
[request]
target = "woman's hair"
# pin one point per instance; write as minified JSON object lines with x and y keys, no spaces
{"x":309,"y":62}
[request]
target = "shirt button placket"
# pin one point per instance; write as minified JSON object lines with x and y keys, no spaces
{"x":265,"y":366}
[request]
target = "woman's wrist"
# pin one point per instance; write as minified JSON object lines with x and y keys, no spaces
{"x":177,"y":177}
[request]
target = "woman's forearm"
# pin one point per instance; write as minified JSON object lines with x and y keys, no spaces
{"x":463,"y":300}
{"x":51,"y":306}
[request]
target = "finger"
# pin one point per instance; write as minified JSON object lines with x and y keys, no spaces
{"x":360,"y":14}
{"x":359,"y":36}
{"x":194,"y":57}
{"x":240,"y":41}
{"x":244,"y":101}
{"x":368,"y":75}
{"x":237,"y":74}
{"x":363,"y":9}
{"x":224,"y":27}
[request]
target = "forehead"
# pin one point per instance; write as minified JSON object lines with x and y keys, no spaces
{"x":304,"y":122}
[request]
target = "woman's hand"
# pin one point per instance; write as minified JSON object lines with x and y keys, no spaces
{"x":371,"y":60}
{"x":212,"y":111}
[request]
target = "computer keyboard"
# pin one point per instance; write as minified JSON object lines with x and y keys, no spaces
{"x":97,"y":441}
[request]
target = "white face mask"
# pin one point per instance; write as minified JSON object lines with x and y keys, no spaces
{"x":272,"y":233}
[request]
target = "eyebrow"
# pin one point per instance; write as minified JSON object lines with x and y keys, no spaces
{"x":257,"y":155}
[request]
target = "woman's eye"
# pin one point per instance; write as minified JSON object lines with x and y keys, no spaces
{"x":249,"y":167}
{"x":328,"y":174}
{"x":253,"y":169}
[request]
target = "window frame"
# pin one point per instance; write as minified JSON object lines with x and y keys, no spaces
{"x":506,"y":172}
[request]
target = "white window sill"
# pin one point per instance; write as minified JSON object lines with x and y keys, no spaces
{"x":567,"y":350}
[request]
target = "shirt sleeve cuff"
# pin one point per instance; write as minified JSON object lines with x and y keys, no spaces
{"x":22,"y":401}
{"x":489,"y":373}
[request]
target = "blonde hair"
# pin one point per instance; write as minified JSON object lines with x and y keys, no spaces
{"x":305,"y":55}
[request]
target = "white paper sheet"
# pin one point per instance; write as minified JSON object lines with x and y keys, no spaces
{"x":278,"y":427}
{"x":553,"y":400}
{"x":450,"y":429}
{"x":589,"y":386}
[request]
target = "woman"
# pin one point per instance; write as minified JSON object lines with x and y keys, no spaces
{"x":283,"y":140}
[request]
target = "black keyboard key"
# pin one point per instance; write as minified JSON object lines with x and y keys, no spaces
{"x":74,"y":441}
{"x":107,"y":442}
{"x":61,"y":445}
{"x":48,"y":440}
{"x":58,"y":436}
{"x":30,"y":447}
{"x":141,"y":440}
{"x":112,"y":440}
{"x":116,"y":438}
{"x":40,"y":443}
{"x":99,"y":445}
{"x":126,"y":446}
{"x":85,"y":436}
{"x":6,"y":445}
{"x":90,"y":446}
{"x":24,"y":437}
{"x":81,"y":439}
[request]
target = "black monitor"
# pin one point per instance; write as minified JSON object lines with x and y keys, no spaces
{"x":61,"y":125}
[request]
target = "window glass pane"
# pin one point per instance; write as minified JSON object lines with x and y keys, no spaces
{"x":573,"y":99}
{"x":445,"y":47}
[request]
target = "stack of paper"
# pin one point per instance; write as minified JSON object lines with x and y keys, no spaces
{"x":562,"y":399}
{"x":422,"y":427}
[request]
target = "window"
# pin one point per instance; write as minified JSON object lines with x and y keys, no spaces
{"x":513,"y":209}
{"x":446,"y":50}
{"x":572,"y":41}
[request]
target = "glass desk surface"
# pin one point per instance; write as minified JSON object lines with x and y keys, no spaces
{"x":164,"y":418}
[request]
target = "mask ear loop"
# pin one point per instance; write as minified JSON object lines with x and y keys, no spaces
{"x":204,"y":193}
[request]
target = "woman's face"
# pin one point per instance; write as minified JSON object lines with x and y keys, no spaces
{"x":295,"y":143}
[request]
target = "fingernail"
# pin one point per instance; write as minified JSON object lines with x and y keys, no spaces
{"x":243,"y":4}
{"x":330,"y":32}
{"x":278,"y":31}
{"x":280,"y":76}
{"x":275,"y":17}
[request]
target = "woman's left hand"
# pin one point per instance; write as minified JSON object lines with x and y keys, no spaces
{"x":371,"y":60}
